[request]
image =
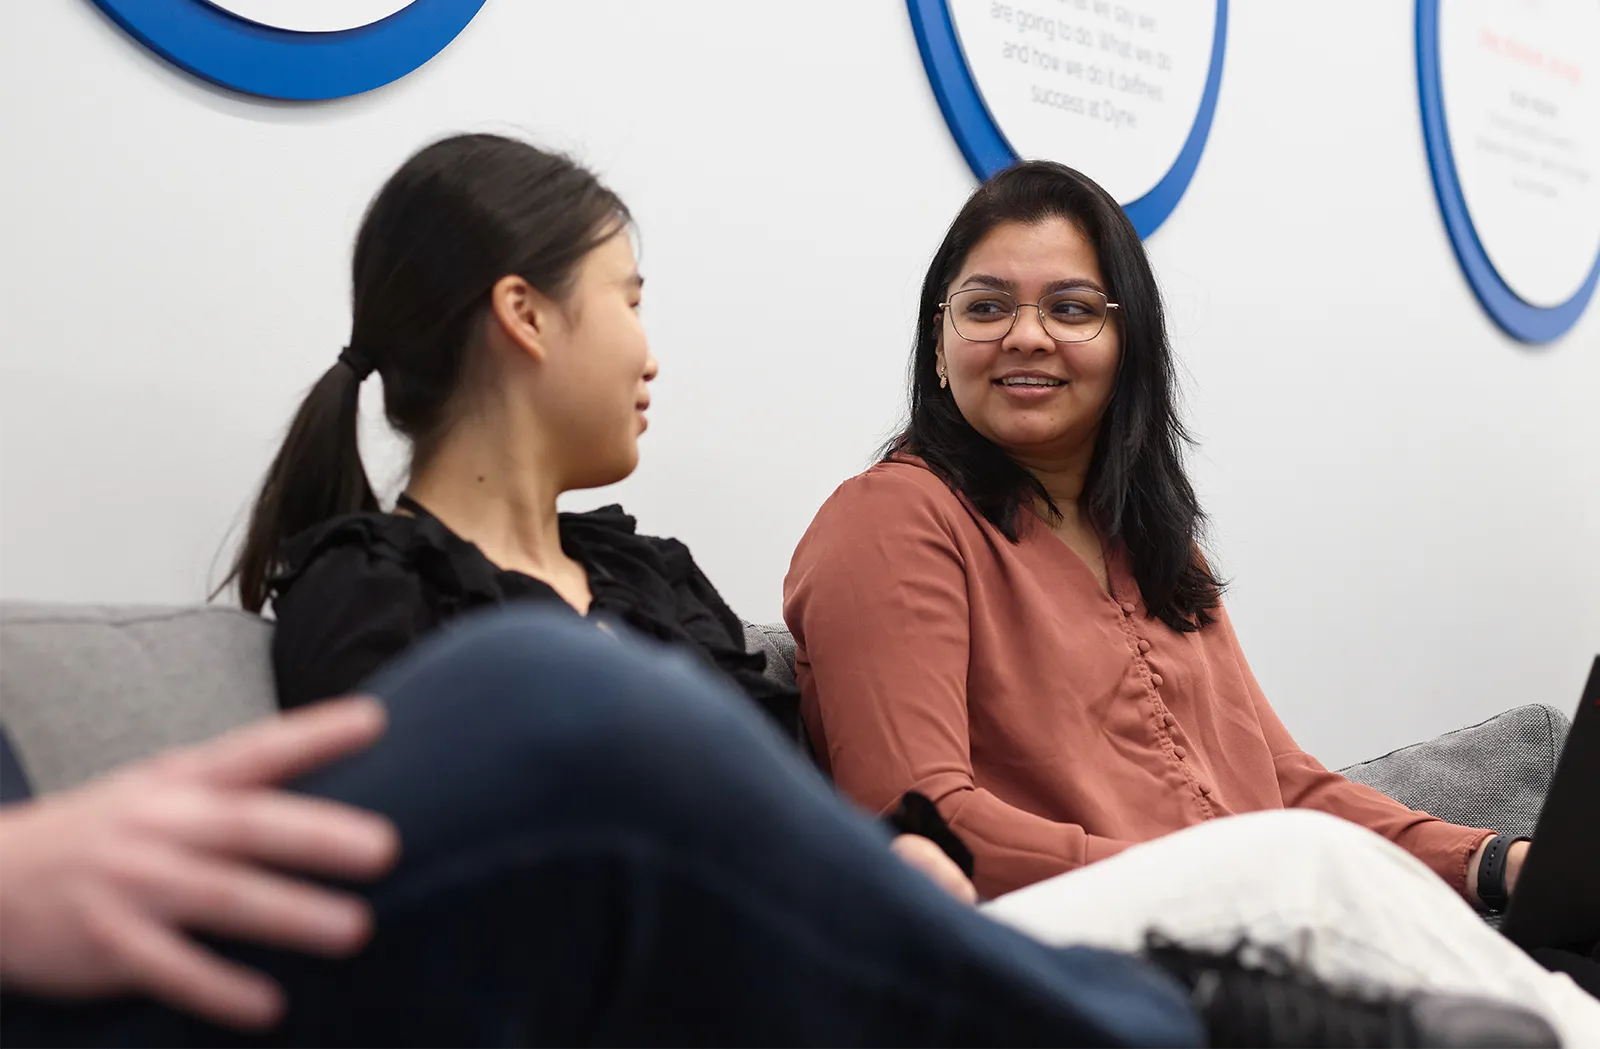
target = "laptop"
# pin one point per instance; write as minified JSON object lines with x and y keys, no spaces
{"x":1557,"y":898}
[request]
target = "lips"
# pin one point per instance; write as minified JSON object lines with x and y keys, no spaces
{"x":1025,"y":386}
{"x":1036,"y":382}
{"x":1029,"y":378}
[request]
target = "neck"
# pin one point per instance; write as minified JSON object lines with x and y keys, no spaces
{"x":1063,"y":477}
{"x":492,"y":487}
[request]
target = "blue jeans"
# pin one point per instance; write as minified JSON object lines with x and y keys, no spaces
{"x":604,"y":844}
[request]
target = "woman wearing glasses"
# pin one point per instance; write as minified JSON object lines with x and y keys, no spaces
{"x":1010,"y":613}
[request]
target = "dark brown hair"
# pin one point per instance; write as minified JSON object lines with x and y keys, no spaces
{"x":458,"y":216}
{"x":1136,"y":491}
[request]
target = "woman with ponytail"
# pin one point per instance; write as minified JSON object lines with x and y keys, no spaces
{"x":496,"y":295}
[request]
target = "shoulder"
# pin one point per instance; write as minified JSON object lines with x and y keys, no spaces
{"x":657,"y":574}
{"x":608,"y":538}
{"x":351,"y":594}
{"x":373,"y":574}
{"x":663,"y":593}
{"x":894,"y":521}
{"x":905,"y":477}
{"x":356,"y":549}
{"x":899,"y":494}
{"x":328,"y":553}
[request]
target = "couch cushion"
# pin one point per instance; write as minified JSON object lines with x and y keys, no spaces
{"x":1494,"y":774}
{"x":85,"y":688}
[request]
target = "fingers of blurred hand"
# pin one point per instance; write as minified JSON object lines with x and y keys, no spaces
{"x":279,"y":748}
{"x":244,"y":903}
{"x":285,"y":830}
{"x":173,"y":970}
{"x":923,"y":855}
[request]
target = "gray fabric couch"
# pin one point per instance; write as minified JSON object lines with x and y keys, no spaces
{"x":85,"y":688}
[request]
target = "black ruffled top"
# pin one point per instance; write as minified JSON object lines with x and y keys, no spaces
{"x":356,"y":591}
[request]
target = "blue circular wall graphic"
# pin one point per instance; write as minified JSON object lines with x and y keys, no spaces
{"x":273,"y":62}
{"x":1504,"y":70}
{"x":1009,"y":76}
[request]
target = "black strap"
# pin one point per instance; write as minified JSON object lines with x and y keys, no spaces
{"x":1492,"y":873}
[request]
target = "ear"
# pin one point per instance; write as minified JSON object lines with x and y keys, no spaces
{"x":523,"y":315}
{"x":938,"y":355}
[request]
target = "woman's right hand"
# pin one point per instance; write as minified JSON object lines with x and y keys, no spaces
{"x":923,"y":855}
{"x":99,"y":883}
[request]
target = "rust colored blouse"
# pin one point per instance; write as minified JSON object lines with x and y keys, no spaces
{"x":1053,"y":724}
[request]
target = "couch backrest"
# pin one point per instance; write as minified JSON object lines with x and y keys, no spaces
{"x":85,"y":688}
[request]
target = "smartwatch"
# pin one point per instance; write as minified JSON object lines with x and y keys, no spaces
{"x":1492,"y":873}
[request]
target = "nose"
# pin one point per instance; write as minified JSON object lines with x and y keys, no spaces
{"x":1027,"y":335}
{"x":652,"y":368}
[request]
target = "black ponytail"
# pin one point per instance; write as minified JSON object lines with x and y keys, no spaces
{"x":456,"y":217}
{"x":316,"y":475}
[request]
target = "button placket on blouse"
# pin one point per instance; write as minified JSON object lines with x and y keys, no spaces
{"x":1201,"y":789}
{"x":1166,"y":722}
{"x":1142,"y":644}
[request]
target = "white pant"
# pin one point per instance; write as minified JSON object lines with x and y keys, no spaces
{"x":1351,"y":906}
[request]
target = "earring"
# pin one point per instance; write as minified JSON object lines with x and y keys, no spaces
{"x":943,"y":381}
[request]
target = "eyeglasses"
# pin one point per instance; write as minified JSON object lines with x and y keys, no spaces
{"x":986,"y":315}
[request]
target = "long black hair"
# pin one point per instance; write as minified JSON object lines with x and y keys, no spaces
{"x":1136,"y":491}
{"x":458,"y":216}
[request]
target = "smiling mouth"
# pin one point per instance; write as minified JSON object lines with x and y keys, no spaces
{"x":1029,"y":380}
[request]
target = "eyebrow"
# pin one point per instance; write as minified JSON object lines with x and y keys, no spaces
{"x":984,"y":280}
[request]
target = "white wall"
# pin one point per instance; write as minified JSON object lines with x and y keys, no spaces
{"x":1408,"y":501}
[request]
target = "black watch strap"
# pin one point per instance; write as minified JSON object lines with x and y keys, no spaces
{"x":1492,"y":873}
